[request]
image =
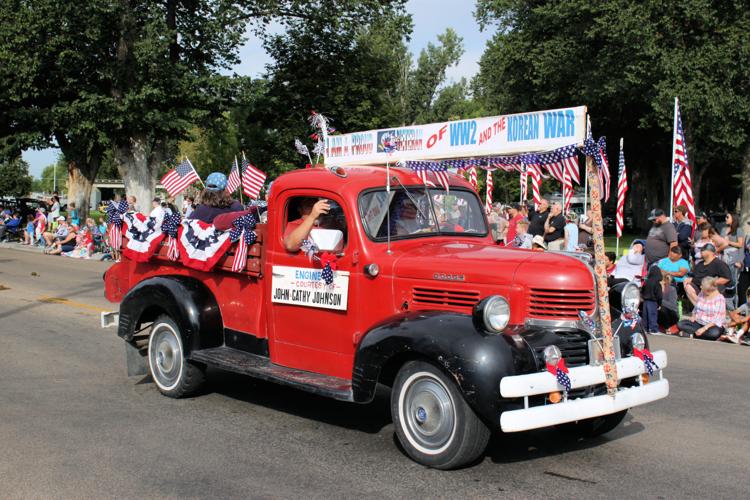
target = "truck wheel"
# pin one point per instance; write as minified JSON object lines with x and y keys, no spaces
{"x":593,"y":427}
{"x":433,"y":423}
{"x":172,"y":373}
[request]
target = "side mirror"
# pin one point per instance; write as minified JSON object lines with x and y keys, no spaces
{"x":328,"y":240}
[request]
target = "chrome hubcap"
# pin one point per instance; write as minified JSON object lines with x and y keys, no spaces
{"x":165,"y":355}
{"x":430,"y":414}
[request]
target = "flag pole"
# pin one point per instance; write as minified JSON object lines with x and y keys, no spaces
{"x":240,"y":172}
{"x":674,"y":137}
{"x":191,"y":166}
{"x":617,"y":228}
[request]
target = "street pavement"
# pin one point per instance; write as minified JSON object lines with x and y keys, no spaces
{"x":73,"y":425}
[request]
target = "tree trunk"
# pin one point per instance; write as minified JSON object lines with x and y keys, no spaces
{"x":745,"y":214}
{"x":138,"y":163}
{"x":79,"y":188}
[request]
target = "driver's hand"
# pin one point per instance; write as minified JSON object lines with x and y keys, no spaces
{"x":320,"y":207}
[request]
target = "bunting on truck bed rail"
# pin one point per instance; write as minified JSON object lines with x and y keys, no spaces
{"x":143,"y":237}
{"x":201,"y":245}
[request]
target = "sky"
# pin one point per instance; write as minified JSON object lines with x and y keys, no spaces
{"x":429,"y":18}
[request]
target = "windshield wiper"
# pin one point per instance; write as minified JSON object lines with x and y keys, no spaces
{"x":408,"y":193}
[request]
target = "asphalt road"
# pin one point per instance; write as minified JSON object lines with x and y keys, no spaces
{"x":73,"y":425}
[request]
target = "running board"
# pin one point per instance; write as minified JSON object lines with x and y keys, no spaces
{"x":237,"y":361}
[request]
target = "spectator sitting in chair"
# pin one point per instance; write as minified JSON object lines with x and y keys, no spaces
{"x":709,"y":315}
{"x":631,"y":265}
{"x":711,"y":266}
{"x":60,"y":233}
{"x":66,"y":244}
{"x":10,"y":226}
{"x":676,"y":267}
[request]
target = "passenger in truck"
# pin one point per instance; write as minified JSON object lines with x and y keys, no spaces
{"x":214,"y":200}
{"x":297,"y":230}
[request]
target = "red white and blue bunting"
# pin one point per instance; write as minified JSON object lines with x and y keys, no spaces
{"x":142,"y":234}
{"x":201,"y":245}
{"x":243,"y":233}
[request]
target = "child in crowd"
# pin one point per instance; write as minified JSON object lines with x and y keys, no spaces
{"x":523,"y":238}
{"x":73,"y":214}
{"x":739,"y":321}
{"x":40,"y":222}
{"x":669,"y":313}
{"x":609,"y":262}
{"x":652,"y":299}
{"x":571,"y":232}
{"x":102,"y":226}
{"x":28,"y":235}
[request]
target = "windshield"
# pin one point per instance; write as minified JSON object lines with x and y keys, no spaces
{"x":420,"y":211}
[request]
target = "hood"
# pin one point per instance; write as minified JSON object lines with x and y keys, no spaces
{"x":484,"y":263}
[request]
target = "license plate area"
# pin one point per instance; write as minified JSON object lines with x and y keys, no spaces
{"x":596,"y":353}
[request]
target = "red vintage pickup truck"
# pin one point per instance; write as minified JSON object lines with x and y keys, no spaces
{"x":420,"y":300}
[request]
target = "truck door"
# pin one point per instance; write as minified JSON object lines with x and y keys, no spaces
{"x":312,"y":323}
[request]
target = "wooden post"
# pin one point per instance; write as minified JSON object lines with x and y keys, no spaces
{"x":600,"y":271}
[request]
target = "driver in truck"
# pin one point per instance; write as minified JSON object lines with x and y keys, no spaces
{"x":299,"y":229}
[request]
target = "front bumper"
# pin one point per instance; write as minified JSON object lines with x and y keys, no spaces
{"x":533,"y":384}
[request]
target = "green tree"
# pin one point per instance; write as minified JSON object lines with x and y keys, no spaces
{"x":54,"y":177}
{"x":14,"y":178}
{"x":626,"y":60}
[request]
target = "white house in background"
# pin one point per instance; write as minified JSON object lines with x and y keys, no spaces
{"x":105,"y":189}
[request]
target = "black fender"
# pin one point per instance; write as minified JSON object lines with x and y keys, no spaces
{"x":475,"y":359}
{"x":187,"y":301}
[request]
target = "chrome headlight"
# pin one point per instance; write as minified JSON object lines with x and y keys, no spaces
{"x":631,"y":297}
{"x":492,"y":313}
{"x":552,"y":355}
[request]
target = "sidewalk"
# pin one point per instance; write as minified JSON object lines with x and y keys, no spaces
{"x":37,"y":249}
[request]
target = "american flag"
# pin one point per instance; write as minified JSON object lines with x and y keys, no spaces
{"x":622,"y":189}
{"x":536,"y":180}
{"x":473,"y":177}
{"x":682,"y":183}
{"x":176,"y":180}
{"x":252,"y":179}
{"x":598,"y":151}
{"x":422,"y":168}
{"x":524,"y":184}
{"x":488,"y":198}
{"x":233,"y":181}
{"x":560,"y":371}
{"x":242,"y":232}
{"x":560,"y":161}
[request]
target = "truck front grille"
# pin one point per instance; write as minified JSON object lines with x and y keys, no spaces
{"x":547,"y":303}
{"x":574,"y":347}
{"x":436,"y":297}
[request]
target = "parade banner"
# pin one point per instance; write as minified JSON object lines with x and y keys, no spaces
{"x":304,"y":286}
{"x":496,"y":135}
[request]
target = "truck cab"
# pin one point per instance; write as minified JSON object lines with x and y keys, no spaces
{"x":399,"y":284}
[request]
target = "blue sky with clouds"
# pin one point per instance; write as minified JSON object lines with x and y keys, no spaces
{"x":430,"y":18}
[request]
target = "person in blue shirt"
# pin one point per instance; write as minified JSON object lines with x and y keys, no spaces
{"x":677,"y":267}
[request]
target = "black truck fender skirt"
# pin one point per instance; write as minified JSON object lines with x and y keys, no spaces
{"x":475,"y":359}
{"x":187,"y":301}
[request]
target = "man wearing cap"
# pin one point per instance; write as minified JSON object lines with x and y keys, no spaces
{"x":711,"y":266}
{"x":515,"y":215}
{"x":660,"y":238}
{"x":537,"y":218}
{"x":214,"y":199}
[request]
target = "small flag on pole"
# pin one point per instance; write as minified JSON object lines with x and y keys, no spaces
{"x":252,"y":179}
{"x":233,"y":181}
{"x":179,"y":178}
{"x":524,"y":184}
{"x":473,"y":177}
{"x":536,"y":180}
{"x":622,"y":189}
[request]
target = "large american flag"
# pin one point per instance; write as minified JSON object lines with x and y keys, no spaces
{"x":683,"y":184}
{"x":473,"y":177}
{"x":233,"y":181}
{"x":524,"y":184}
{"x":252,"y":179}
{"x":176,"y":180}
{"x":536,"y":180}
{"x":622,"y":189}
{"x":562,"y":164}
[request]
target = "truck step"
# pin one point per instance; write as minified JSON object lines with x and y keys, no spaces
{"x":237,"y":361}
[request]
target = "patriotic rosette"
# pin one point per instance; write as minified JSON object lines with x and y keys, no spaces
{"x":243,"y":233}
{"x":169,"y":227}
{"x":647,"y":358}
{"x":630,"y":317}
{"x":327,"y":260}
{"x":143,"y":236}
{"x":201,"y":245}
{"x":560,"y":371}
{"x":114,"y":221}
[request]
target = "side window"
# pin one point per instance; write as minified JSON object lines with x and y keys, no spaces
{"x":299,"y":208}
